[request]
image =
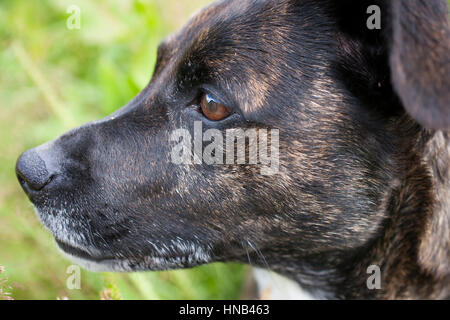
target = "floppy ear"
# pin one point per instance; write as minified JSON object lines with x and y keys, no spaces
{"x":419,"y":55}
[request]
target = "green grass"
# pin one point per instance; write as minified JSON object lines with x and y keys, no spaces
{"x":52,"y":79}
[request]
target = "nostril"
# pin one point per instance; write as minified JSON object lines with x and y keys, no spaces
{"x":31,"y":184}
{"x":32,"y":172}
{"x":20,"y":178}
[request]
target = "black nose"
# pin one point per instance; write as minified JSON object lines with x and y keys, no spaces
{"x":32,"y":172}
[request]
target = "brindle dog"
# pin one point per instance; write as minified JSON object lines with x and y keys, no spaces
{"x":364,"y":152}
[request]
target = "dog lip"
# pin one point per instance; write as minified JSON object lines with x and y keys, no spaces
{"x":81,"y":253}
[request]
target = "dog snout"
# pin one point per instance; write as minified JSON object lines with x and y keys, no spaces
{"x":33,"y":172}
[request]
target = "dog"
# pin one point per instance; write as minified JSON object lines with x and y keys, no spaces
{"x":363,"y":179}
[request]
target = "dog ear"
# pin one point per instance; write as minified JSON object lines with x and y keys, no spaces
{"x":419,"y":57}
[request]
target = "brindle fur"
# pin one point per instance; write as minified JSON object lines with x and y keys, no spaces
{"x":364,"y":152}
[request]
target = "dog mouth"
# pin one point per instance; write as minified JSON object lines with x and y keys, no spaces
{"x":80,"y":253}
{"x":95,"y":260}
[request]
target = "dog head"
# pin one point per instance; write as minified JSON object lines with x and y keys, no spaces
{"x":341,"y":102}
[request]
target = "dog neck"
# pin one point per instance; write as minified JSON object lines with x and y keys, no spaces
{"x":434,"y":250}
{"x":410,"y":251}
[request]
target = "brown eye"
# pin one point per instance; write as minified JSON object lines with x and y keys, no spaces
{"x":212,"y":109}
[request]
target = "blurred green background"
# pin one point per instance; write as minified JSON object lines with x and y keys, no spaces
{"x":53,"y":79}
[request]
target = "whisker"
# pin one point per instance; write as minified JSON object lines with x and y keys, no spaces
{"x":270,"y":271}
{"x":260,"y":255}
{"x":245,"y":246}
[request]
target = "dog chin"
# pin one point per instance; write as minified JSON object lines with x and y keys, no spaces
{"x":92,"y":260}
{"x":107,"y":265}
